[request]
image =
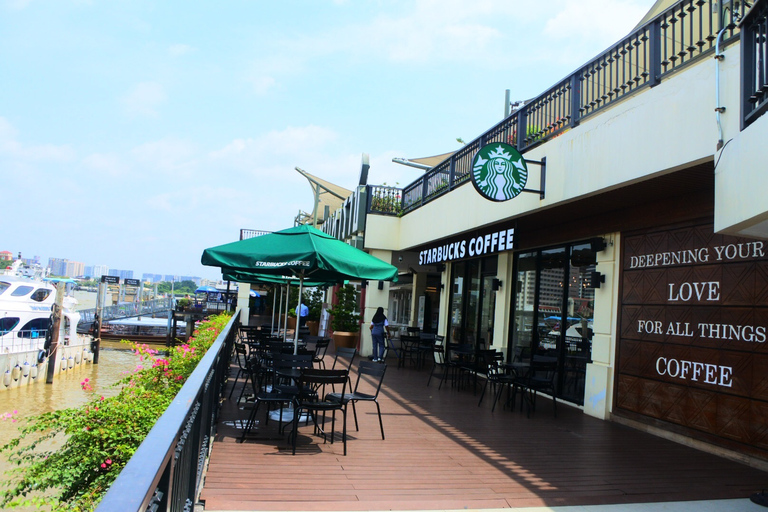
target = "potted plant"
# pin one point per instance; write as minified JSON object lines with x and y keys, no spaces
{"x":314,"y":301}
{"x":344,"y":321}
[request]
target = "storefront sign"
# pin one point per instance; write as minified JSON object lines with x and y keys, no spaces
{"x":694,"y":327}
{"x":499,"y":172}
{"x":469,"y":246}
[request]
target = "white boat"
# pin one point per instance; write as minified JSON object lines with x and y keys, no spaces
{"x":26,"y":302}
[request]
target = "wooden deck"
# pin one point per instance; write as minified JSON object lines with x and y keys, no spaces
{"x":442,"y":451}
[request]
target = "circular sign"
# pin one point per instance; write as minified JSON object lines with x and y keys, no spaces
{"x":499,"y":172}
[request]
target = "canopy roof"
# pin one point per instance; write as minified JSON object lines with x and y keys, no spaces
{"x":301,"y":251}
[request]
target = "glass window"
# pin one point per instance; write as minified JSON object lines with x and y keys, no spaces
{"x":41,"y":294}
{"x":4,"y":286}
{"x":35,"y":328}
{"x":7,"y":324}
{"x":21,"y":291}
{"x":553,"y":312}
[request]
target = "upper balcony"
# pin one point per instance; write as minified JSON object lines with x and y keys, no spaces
{"x":685,"y":33}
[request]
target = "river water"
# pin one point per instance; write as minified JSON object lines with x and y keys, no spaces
{"x":66,"y":391}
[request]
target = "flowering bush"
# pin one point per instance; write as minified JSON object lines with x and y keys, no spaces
{"x":70,"y":457}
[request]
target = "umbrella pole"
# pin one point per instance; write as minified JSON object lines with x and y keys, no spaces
{"x":298,"y":317}
{"x":287,"y":306}
{"x":274,"y":302}
{"x":279,"y":310}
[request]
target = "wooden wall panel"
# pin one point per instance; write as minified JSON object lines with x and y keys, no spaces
{"x":693,"y":333}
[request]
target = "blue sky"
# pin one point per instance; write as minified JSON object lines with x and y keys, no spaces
{"x":137,"y":133}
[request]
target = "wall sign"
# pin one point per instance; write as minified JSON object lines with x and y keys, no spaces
{"x":499,"y":171}
{"x":693,"y":347}
{"x":471,"y":245}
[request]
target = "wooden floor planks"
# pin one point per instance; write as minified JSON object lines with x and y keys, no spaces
{"x":443,"y":451}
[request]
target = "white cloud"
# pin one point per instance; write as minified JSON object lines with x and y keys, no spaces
{"x":17,"y":5}
{"x":292,"y":141}
{"x":107,"y":163}
{"x":11,"y":147}
{"x":144,"y":99}
{"x":177,"y":50}
{"x":169,"y":155}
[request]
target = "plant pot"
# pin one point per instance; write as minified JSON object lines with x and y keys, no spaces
{"x":291,"y":322}
{"x":313,"y":326}
{"x":345,"y":339}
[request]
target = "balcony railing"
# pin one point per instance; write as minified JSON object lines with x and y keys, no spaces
{"x":251,"y":233}
{"x":684,"y":33}
{"x":165,"y":472}
{"x":754,"y":63}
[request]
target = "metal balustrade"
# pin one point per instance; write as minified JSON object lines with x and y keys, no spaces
{"x":754,"y":63}
{"x":681,"y":35}
{"x":166,"y":471}
{"x":124,"y":310}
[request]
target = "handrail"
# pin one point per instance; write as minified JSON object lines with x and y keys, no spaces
{"x":754,"y":63}
{"x":682,"y":34}
{"x":167,"y":468}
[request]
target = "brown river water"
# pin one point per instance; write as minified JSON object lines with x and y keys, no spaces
{"x":65,"y":391}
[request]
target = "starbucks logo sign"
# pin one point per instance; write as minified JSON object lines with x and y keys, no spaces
{"x":499,"y":172}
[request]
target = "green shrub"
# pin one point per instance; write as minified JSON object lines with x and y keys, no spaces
{"x":92,"y":443}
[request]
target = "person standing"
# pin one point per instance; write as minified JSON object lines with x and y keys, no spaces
{"x":302,"y":312}
{"x":379,"y":326}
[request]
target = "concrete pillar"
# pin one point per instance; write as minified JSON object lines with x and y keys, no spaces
{"x":598,"y":392}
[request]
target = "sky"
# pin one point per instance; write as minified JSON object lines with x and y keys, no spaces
{"x":137,"y":133}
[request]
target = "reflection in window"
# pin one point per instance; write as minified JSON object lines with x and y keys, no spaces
{"x":40,"y":294}
{"x":21,"y":291}
{"x":7,"y":324}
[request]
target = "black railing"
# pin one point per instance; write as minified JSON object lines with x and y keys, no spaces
{"x":754,"y":63}
{"x":166,"y":471}
{"x":251,"y":233}
{"x":684,"y":33}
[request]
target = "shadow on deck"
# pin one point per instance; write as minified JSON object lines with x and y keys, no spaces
{"x":443,"y":451}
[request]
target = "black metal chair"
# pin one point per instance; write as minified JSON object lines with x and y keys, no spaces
{"x":438,"y":358}
{"x":308,"y":400}
{"x":540,"y":377}
{"x":343,"y":359}
{"x":498,"y":379}
{"x":321,"y":348}
{"x":375,"y":372}
{"x":241,"y":357}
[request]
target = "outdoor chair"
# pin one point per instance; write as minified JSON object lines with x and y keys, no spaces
{"x":375,"y":374}
{"x":308,"y":401}
{"x":540,"y":377}
{"x":241,"y":358}
{"x":321,"y":347}
{"x":272,"y":397}
{"x":477,"y":366}
{"x":438,"y":357}
{"x":343,"y":359}
{"x":498,"y":379}
{"x":408,"y":344}
{"x":456,"y":355}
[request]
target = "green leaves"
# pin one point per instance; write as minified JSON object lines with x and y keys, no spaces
{"x":68,"y":458}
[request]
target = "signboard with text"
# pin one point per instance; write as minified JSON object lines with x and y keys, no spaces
{"x":132,"y":282}
{"x":693,"y":334}
{"x":110,"y":279}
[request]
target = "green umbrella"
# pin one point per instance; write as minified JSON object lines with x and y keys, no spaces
{"x":302,"y":251}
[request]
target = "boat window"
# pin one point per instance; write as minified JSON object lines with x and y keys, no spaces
{"x":35,"y":328}
{"x":7,"y":324}
{"x":40,"y":294}
{"x":4,"y":286}
{"x":21,"y":291}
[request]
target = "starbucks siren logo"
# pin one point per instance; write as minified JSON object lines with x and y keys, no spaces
{"x":499,"y":172}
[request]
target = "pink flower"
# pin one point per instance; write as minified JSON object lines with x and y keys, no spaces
{"x":109,"y":461}
{"x":103,"y":466}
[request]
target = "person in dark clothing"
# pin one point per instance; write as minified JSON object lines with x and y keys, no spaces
{"x":379,"y":327}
